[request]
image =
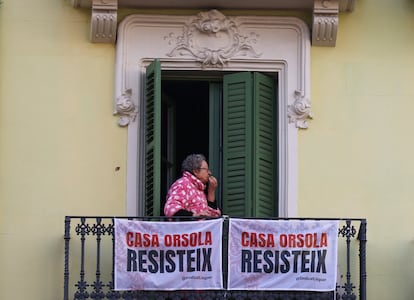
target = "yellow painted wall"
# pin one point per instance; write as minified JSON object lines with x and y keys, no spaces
{"x":356,"y":159}
{"x":60,"y":145}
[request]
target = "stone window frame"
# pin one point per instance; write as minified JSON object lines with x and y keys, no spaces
{"x":212,"y":41}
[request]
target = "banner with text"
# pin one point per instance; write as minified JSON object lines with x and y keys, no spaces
{"x":168,"y":255}
{"x":282,"y":255}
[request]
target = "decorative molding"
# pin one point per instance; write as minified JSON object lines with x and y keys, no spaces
{"x":325,"y":22}
{"x":300,"y":110}
{"x":104,"y":21}
{"x":125,"y":108}
{"x":284,"y":47}
{"x":324,"y":25}
{"x":212,"y":39}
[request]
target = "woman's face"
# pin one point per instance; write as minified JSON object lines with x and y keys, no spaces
{"x":203,"y":173}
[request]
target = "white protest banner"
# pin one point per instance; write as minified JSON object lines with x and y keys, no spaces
{"x":168,"y":255}
{"x":282,"y":255}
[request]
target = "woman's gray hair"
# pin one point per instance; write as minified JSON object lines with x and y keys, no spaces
{"x":192,"y":162}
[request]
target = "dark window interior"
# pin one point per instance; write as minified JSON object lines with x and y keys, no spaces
{"x":191,"y":100}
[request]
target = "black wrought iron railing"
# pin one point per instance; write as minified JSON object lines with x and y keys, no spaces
{"x":89,"y":266}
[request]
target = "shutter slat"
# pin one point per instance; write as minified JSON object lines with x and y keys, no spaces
{"x":265,"y":189}
{"x":153,"y":139}
{"x":249,"y":146}
{"x":237,"y":153}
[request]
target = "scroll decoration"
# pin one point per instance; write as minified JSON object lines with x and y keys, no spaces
{"x":300,"y":110}
{"x":125,"y":108}
{"x":213,"y":40}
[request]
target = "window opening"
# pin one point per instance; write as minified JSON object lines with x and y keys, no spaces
{"x":191,"y":108}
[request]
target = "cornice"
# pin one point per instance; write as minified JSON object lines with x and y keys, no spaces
{"x":325,"y":14}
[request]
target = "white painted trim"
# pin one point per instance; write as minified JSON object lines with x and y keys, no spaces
{"x":272,"y":44}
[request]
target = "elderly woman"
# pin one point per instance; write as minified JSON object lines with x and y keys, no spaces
{"x":187,"y":196}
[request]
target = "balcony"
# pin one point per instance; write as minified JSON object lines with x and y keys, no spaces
{"x":89,"y":265}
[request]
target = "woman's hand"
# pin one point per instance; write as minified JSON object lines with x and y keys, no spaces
{"x":209,"y":212}
{"x":212,"y":188}
{"x":212,"y":183}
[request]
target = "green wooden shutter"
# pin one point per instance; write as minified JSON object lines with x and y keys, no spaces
{"x":265,"y":146}
{"x":153,"y":139}
{"x":237,"y":140}
{"x":214,"y":151}
{"x":249,"y":145}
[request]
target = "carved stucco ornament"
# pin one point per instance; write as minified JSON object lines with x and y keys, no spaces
{"x":325,"y":22}
{"x":104,"y":21}
{"x":125,"y":108}
{"x":300,"y":111}
{"x":212,"y":39}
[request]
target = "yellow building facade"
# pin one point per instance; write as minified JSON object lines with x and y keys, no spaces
{"x":63,"y":152}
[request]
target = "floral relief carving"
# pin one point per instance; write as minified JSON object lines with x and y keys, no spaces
{"x":125,"y":108}
{"x":212,"y":39}
{"x":300,"y":110}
